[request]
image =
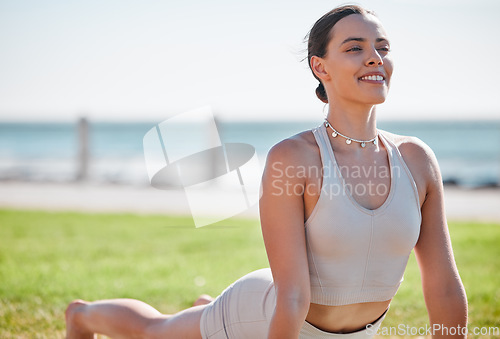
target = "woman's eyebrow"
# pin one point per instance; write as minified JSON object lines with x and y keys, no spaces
{"x":362,"y":40}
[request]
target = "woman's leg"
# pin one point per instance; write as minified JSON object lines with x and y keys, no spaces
{"x":128,"y":318}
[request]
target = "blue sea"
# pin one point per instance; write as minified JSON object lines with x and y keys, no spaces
{"x":468,"y":152}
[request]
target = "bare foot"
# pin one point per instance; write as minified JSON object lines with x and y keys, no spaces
{"x":203,"y":300}
{"x":73,"y":329}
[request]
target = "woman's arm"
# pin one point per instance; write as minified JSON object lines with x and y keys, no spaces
{"x":443,"y":291}
{"x":282,"y":219}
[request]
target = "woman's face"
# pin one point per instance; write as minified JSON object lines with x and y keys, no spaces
{"x":358,"y":61}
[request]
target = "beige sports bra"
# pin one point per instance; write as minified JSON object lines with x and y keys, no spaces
{"x":356,"y":254}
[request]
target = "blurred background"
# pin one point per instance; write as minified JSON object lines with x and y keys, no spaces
{"x":125,"y":66}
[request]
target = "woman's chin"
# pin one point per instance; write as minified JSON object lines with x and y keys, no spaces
{"x":381,"y":101}
{"x":375,"y":100}
{"x":378,"y":98}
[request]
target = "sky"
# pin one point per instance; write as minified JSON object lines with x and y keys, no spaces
{"x":120,"y":60}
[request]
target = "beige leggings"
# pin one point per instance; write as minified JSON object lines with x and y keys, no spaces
{"x":245,"y":308}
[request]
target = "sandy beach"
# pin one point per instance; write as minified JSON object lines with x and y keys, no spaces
{"x":462,"y":204}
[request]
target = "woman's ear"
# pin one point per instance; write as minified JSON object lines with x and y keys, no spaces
{"x":318,"y":67}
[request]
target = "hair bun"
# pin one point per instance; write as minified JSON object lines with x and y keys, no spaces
{"x":321,"y":93}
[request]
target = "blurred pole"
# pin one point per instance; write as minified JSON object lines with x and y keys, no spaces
{"x":83,"y":149}
{"x":213,"y":138}
{"x":498,"y":155}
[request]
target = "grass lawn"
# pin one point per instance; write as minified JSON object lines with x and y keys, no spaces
{"x":48,"y":259}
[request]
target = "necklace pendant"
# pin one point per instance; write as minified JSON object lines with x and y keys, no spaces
{"x":362,"y":143}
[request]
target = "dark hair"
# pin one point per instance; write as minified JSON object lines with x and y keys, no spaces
{"x":320,"y":34}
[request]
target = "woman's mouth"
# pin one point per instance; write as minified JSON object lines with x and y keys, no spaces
{"x":373,"y":79}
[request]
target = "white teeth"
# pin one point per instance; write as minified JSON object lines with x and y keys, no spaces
{"x":373,"y":77}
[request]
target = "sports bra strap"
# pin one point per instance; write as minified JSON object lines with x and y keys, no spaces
{"x":319,"y":135}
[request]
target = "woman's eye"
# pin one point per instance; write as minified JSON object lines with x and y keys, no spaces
{"x":358,"y":49}
{"x":354,"y":49}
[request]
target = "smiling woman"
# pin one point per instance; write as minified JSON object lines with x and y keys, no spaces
{"x":344,"y":53}
{"x":338,"y":238}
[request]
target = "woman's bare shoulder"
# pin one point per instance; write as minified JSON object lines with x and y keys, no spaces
{"x":297,"y":149}
{"x":410,"y":146}
{"x":419,"y":158}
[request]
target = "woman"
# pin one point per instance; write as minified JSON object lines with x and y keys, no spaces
{"x":342,"y":207}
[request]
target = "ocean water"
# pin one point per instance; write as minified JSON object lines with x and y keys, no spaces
{"x":468,"y":152}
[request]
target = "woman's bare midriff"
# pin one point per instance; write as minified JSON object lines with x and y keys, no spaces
{"x":345,"y":318}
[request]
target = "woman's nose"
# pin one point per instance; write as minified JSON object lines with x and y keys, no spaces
{"x":374,"y":59}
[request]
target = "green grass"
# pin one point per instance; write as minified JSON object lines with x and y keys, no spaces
{"x":48,"y":259}
{"x":477,"y":253}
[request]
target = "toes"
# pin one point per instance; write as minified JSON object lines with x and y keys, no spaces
{"x":203,"y":300}
{"x":73,"y":309}
{"x":73,"y":326}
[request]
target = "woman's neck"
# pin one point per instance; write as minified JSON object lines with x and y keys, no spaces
{"x":357,"y":123}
